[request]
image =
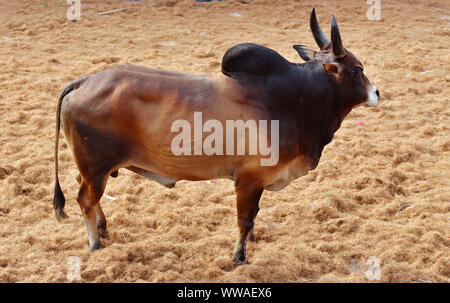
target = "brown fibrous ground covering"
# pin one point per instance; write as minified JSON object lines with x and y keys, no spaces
{"x":381,"y":189}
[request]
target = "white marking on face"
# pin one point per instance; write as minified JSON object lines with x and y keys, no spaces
{"x":372,"y":100}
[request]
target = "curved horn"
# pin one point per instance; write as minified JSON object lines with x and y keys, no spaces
{"x":336,"y":42}
{"x":321,"y":40}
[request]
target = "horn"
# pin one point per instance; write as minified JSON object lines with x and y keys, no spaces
{"x":338,"y":47}
{"x":321,"y":40}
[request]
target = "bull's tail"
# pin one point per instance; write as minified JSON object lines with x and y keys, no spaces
{"x":58,"y":200}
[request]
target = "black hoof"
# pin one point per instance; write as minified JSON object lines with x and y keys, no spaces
{"x":96,"y":246}
{"x":238,"y":262}
{"x":239,"y":258}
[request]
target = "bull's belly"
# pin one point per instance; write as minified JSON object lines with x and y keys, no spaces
{"x":167,"y":171}
{"x":191,"y":168}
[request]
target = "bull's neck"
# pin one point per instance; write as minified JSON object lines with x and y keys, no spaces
{"x":320,"y":113}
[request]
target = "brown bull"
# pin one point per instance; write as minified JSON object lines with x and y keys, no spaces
{"x":125,"y":117}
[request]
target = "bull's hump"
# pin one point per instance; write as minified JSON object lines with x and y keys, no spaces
{"x":250,"y":60}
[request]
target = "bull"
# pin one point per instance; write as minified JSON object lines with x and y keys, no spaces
{"x":122,"y":117}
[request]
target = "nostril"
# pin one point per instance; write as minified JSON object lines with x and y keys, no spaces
{"x":378,"y":93}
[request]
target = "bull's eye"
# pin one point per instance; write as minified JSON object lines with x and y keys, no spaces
{"x":357,"y":71}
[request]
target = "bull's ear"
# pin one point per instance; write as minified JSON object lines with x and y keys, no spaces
{"x":305,"y":52}
{"x":332,"y":68}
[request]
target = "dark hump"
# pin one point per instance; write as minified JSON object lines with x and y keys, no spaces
{"x":246,"y":61}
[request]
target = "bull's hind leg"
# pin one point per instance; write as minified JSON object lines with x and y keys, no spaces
{"x":247,"y":196}
{"x":99,"y":215}
{"x":88,"y":197}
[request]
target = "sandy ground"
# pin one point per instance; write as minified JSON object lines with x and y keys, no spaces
{"x":381,"y":189}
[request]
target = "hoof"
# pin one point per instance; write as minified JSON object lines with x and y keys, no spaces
{"x":252,"y":237}
{"x":239,"y":258}
{"x":96,"y":246}
{"x":238,"y":262}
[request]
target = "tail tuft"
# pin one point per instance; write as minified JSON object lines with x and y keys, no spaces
{"x":58,"y":203}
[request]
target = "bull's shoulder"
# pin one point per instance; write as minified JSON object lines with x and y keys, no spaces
{"x":252,"y":60}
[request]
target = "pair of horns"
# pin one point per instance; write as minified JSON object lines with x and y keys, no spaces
{"x":322,"y":41}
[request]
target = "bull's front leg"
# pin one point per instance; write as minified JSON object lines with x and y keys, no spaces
{"x":251,"y":234}
{"x":248,"y":194}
